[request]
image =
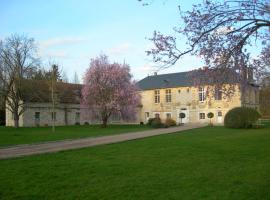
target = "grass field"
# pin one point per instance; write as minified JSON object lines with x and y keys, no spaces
{"x":212,"y":163}
{"x":12,"y":136}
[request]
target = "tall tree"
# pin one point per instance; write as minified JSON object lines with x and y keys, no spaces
{"x":222,"y":32}
{"x":76,"y":78}
{"x":54,"y":77}
{"x":18,"y":60}
{"x":64,"y":77}
{"x":108,"y":90}
{"x":47,"y":74}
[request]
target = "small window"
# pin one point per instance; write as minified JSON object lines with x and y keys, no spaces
{"x":219,"y":114}
{"x":202,"y":115}
{"x":157,"y":96}
{"x":37,"y":115}
{"x":77,"y":117}
{"x":53,"y":116}
{"x":168,"y":96}
{"x":168,"y":115}
{"x":179,"y":91}
{"x":147,"y":114}
{"x":157,"y":115}
{"x":187,"y":90}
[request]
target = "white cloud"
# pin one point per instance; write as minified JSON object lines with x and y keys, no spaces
{"x":53,"y":48}
{"x":120,"y":49}
{"x":143,"y":71}
{"x":61,"y":41}
{"x":54,"y":54}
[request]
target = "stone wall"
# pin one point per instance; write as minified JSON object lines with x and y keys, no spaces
{"x":66,"y":114}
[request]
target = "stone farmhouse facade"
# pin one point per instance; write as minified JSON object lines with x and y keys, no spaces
{"x":168,"y":95}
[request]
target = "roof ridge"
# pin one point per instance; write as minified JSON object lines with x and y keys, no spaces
{"x":169,"y":73}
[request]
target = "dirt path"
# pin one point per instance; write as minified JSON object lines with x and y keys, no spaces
{"x":30,"y":149}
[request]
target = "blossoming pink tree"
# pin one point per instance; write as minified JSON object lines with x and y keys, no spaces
{"x":109,"y":90}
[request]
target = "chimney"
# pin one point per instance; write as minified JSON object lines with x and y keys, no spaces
{"x":155,"y":73}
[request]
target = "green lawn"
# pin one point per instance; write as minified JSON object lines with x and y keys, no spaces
{"x":11,"y":136}
{"x":211,"y":163}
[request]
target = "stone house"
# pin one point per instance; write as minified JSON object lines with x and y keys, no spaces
{"x":168,"y":95}
{"x":36,"y":95}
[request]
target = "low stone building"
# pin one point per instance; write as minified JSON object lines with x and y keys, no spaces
{"x":38,"y":107}
{"x":168,"y":95}
{"x":39,"y":110}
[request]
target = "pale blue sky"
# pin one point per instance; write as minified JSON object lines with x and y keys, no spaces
{"x":71,"y":32}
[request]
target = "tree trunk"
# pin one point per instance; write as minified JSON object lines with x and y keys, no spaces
{"x":16,"y":120}
{"x":104,"y":122}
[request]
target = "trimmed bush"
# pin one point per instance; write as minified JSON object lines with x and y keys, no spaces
{"x":241,"y":117}
{"x":210,"y":115}
{"x":170,"y":122}
{"x":86,"y":123}
{"x":182,"y":116}
{"x":77,"y":123}
{"x":156,"y":123}
{"x":141,"y":123}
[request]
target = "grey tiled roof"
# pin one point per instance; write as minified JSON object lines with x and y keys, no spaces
{"x":165,"y":81}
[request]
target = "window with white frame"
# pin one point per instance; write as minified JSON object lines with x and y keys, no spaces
{"x":168,"y":96}
{"x":157,"y":96}
{"x":201,"y":94}
{"x":202,"y":115}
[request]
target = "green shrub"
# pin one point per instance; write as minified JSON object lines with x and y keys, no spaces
{"x":86,"y":123}
{"x":156,"y":123}
{"x":150,"y":120}
{"x":170,"y":122}
{"x":241,"y":117}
